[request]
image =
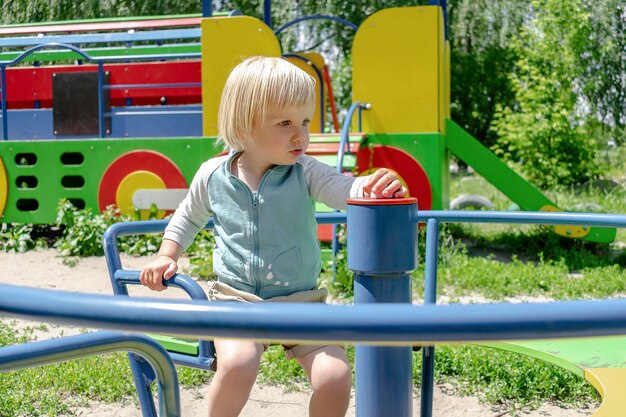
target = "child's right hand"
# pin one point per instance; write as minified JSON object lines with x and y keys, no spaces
{"x":153,"y":274}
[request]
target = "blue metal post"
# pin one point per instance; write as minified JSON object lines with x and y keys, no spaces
{"x":267,"y":12}
{"x":382,"y":242}
{"x":207,"y":8}
{"x":3,"y":86}
{"x":101,"y":122}
{"x":430,"y":297}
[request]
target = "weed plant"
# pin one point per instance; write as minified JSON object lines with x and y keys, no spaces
{"x":18,"y":238}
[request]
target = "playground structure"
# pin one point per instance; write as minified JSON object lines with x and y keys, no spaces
{"x":385,"y":330}
{"x":132,"y":123}
{"x":153,"y":122}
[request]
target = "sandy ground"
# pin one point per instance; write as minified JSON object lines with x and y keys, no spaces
{"x":43,"y":269}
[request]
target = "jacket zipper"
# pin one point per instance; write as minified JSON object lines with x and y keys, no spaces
{"x":254,"y":198}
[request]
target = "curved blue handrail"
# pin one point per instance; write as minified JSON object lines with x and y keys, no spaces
{"x":79,"y":51}
{"x":44,"y":352}
{"x":317,"y":17}
{"x":366,"y":323}
{"x":98,"y":60}
{"x":344,"y":142}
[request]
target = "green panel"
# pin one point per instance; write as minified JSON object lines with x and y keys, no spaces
{"x":349,"y":161}
{"x":575,"y":355}
{"x":66,"y":55}
{"x":335,"y":138}
{"x":498,"y":173}
{"x":174,"y":344}
{"x":429,"y":150}
{"x":494,"y":170}
{"x":187,"y":153}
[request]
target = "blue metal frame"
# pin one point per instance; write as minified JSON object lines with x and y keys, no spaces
{"x":366,"y":324}
{"x":120,"y":278}
{"x":344,"y":141}
{"x":432,"y":219}
{"x":382,"y":274}
{"x":207,"y":8}
{"x":430,"y":298}
{"x":101,"y":74}
{"x":3,"y":86}
{"x":267,"y":12}
{"x":32,"y":354}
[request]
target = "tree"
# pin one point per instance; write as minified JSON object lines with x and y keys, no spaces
{"x":543,"y":130}
{"x":481,"y":60}
{"x":602,"y":55}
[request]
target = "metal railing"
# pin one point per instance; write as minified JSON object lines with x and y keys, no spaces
{"x":32,"y":354}
{"x":370,"y":324}
{"x":100,"y":61}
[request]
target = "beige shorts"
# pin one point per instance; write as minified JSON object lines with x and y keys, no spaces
{"x":219,"y":291}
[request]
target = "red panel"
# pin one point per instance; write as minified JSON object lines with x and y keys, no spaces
{"x":329,"y":148}
{"x":130,"y":162}
{"x":325,"y":232}
{"x":404,"y":165}
{"x":25,"y":85}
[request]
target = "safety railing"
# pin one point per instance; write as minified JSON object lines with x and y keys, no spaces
{"x":100,"y":61}
{"x":32,"y":354}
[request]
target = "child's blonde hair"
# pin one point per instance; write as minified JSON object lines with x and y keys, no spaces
{"x":257,"y":87}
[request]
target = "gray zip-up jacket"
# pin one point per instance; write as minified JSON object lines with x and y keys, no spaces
{"x":266,"y":242}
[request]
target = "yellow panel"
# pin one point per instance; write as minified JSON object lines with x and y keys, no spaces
{"x":132,"y":182}
{"x":611,"y":384}
{"x":445,"y":86}
{"x":318,"y":61}
{"x":4,"y":188}
{"x":226,"y":41}
{"x":566,"y":230}
{"x":397,"y":66}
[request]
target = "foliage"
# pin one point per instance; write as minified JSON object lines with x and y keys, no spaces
{"x":44,"y":390}
{"x":83,"y":231}
{"x":500,"y":378}
{"x":201,"y":256}
{"x":18,"y":238}
{"x":481,"y":61}
{"x":507,"y":379}
{"x":82,"y":235}
{"x":32,"y":11}
{"x":603,"y":65}
{"x":543,"y":131}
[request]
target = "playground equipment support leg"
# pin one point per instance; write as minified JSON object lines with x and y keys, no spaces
{"x":381,"y":251}
{"x":430,"y":297}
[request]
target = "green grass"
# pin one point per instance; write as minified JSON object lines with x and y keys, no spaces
{"x":52,"y":390}
{"x":499,"y":378}
{"x":508,"y":379}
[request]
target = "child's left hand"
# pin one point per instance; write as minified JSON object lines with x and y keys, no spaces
{"x":383,"y":184}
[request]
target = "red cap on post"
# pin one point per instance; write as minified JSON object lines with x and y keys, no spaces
{"x":382,"y":201}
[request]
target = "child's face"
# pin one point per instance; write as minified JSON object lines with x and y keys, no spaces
{"x":280,"y":139}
